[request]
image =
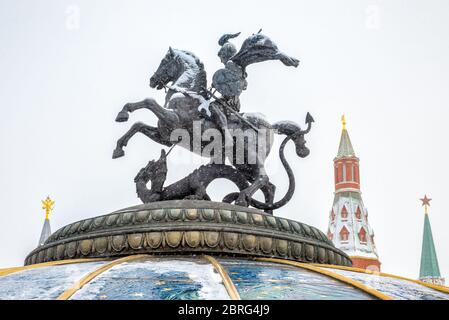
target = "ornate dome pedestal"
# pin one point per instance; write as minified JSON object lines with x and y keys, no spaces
{"x":189,"y":227}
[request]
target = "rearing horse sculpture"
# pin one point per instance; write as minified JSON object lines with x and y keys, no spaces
{"x":185,"y":99}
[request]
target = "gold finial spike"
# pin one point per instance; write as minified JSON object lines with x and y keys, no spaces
{"x":47,"y":205}
{"x":426,"y":203}
{"x":343,"y":122}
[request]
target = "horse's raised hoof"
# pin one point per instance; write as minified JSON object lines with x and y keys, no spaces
{"x":122,"y":116}
{"x":118,"y":153}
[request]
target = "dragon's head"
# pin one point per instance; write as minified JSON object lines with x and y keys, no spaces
{"x":155,"y":171}
{"x":299,"y":140}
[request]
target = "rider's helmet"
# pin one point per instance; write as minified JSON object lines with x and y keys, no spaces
{"x":227,"y":49}
{"x":226,"y":52}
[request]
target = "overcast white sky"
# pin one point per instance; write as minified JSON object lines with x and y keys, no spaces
{"x":382,"y":63}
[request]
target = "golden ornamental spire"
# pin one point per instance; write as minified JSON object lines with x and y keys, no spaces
{"x":426,"y":203}
{"x":47,"y":205}
{"x":343,"y":122}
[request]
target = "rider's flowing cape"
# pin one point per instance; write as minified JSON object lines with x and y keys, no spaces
{"x":259,"y":48}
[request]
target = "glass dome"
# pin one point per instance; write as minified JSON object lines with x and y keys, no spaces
{"x":147,"y":277}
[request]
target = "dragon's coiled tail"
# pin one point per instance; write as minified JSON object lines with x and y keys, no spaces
{"x":291,"y":183}
{"x":294,"y":133}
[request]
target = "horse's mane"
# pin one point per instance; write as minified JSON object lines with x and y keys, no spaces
{"x":197,"y":60}
{"x":198,"y":76}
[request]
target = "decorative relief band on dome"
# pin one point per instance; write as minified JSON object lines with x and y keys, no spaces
{"x":189,"y":227}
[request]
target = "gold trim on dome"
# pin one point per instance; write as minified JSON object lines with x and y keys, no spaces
{"x":89,"y":277}
{"x":7,"y":271}
{"x":366,"y":258}
{"x":229,"y":285}
{"x":317,"y":269}
{"x":443,"y":289}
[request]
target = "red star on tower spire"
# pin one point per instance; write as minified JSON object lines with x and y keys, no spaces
{"x":426,"y":202}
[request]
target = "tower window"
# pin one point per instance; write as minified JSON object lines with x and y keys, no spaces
{"x":358,"y":213}
{"x":340,"y":172}
{"x":344,"y":213}
{"x":362,"y":235}
{"x":356,"y":174}
{"x":349,"y":171}
{"x":344,"y":234}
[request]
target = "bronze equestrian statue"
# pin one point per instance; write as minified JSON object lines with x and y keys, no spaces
{"x":191,"y":109}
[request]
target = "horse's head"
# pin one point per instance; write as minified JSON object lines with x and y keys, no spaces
{"x":168,"y":70}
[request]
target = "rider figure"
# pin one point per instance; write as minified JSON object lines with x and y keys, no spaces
{"x":229,"y":82}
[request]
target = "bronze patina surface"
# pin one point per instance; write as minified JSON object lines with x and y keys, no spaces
{"x":189,"y":227}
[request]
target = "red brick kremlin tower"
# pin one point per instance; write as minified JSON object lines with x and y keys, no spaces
{"x":349,"y":229}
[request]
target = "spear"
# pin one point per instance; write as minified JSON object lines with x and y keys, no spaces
{"x":224,"y":104}
{"x":229,"y":108}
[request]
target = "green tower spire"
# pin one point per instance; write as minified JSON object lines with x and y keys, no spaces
{"x":429,"y":269}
